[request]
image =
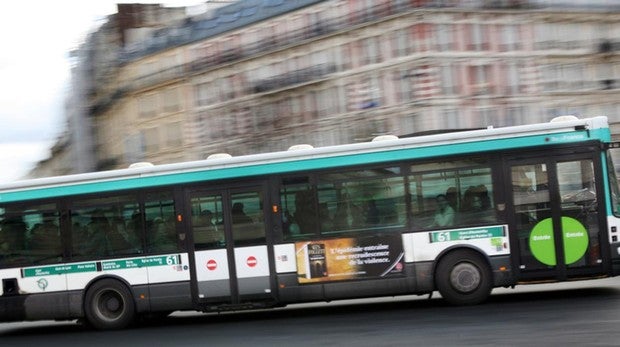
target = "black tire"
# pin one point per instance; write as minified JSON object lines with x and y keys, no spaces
{"x":463,"y":277}
{"x":109,"y":305}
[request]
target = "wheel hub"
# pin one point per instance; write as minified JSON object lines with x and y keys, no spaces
{"x":113,"y":304}
{"x":465,"y":277}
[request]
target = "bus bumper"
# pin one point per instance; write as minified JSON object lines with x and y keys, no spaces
{"x":502,"y":271}
{"x":615,"y":258}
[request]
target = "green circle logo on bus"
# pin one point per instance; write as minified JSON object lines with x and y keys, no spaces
{"x":574,"y":237}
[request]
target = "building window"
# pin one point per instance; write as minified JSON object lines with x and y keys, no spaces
{"x":478,"y":37}
{"x":479,"y":77}
{"x":486,"y":116}
{"x":203,"y":95}
{"x":574,"y":76}
{"x":174,"y":136}
{"x":151,"y":140}
{"x":227,"y":87}
{"x":134,"y":149}
{"x":147,"y":105}
{"x":451,"y":119}
{"x":566,"y":77}
{"x":328,"y":102}
{"x":310,"y":113}
{"x":425,"y":81}
{"x":510,"y":38}
{"x":171,"y":100}
{"x":371,"y":54}
{"x":241,"y":121}
{"x":543,"y":36}
{"x":449,"y":80}
{"x":404,"y":85}
{"x":514,"y":116}
{"x":264,"y":116}
{"x":350,"y":55}
{"x":513,"y":79}
{"x":422,"y":34}
{"x":445,"y":37}
{"x":282,"y":109}
{"x":400,"y":43}
{"x":605,"y":76}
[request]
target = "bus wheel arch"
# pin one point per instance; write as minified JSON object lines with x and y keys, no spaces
{"x":109,"y":304}
{"x":463,"y":276}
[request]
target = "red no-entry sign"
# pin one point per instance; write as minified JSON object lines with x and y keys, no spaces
{"x":251,"y":261}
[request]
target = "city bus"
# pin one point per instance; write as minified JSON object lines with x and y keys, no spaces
{"x":459,"y":213}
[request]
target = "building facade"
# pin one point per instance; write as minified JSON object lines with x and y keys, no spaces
{"x":95,"y":67}
{"x":258,"y":76}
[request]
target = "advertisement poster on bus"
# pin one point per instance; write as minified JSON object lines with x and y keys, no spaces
{"x":348,"y":258}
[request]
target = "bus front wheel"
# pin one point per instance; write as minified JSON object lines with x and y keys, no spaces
{"x":463,"y":277}
{"x":109,"y":305}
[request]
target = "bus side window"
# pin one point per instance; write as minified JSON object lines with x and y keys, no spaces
{"x":13,"y":234}
{"x":298,"y":201}
{"x":248,"y":227}
{"x":104,"y":236}
{"x":465,"y":185}
{"x":45,"y":241}
{"x":161,"y":235}
{"x":103,"y":226}
{"x":476,"y":206}
{"x":371,"y":200}
{"x":208,"y":222}
{"x":80,"y":243}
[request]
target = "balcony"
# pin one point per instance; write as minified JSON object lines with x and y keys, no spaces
{"x":157,"y":77}
{"x":294,"y":78}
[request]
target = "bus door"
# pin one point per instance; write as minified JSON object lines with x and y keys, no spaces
{"x":231,"y":262}
{"x":556,"y":224}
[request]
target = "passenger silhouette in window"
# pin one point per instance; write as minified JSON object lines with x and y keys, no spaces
{"x":444,"y":215}
{"x":105,"y":239}
{"x":371,"y":213}
{"x":476,"y":206}
{"x":238,"y":215}
{"x":206,"y":232}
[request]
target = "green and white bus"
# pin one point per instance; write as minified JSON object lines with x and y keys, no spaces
{"x":459,"y":213}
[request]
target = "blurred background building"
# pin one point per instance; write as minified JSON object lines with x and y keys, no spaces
{"x":154,"y":84}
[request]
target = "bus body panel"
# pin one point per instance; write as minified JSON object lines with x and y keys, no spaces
{"x":427,"y":246}
{"x":212,"y":271}
{"x":285,"y":259}
{"x":252,"y":270}
{"x":614,"y":243}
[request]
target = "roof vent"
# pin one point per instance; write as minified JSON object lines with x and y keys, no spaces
{"x":300,"y":147}
{"x":141,"y":164}
{"x":219,"y":156}
{"x":384,"y":138}
{"x":563,"y":119}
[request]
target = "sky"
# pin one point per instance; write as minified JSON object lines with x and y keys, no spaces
{"x":36,"y":37}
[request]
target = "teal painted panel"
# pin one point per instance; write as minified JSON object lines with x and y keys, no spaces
{"x":303,"y":165}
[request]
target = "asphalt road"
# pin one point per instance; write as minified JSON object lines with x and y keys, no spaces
{"x":567,"y":314}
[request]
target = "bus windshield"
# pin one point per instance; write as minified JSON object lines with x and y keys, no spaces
{"x":613,"y":157}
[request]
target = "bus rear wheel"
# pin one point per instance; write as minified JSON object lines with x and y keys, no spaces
{"x":109,"y":305}
{"x":463,"y":277}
